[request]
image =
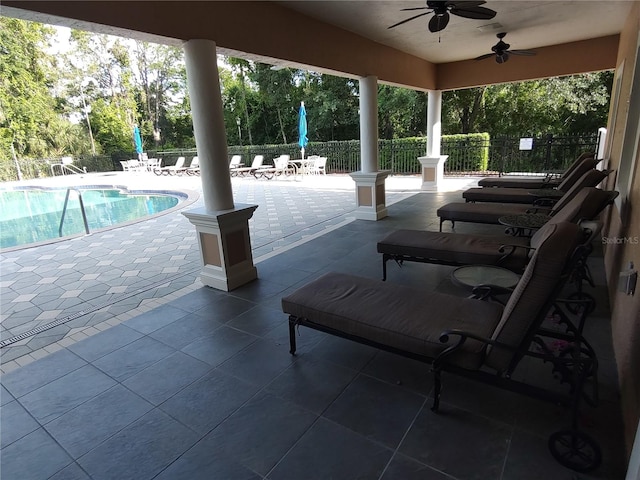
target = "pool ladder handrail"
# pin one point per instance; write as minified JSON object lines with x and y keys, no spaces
{"x":64,"y":211}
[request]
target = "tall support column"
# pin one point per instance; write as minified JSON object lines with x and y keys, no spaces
{"x":433,"y":162}
{"x":222,"y":227}
{"x":370,"y":189}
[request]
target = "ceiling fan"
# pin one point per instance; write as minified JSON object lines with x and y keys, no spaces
{"x":441,"y":11}
{"x":501,"y":51}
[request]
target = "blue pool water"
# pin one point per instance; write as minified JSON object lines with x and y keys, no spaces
{"x":29,"y":216}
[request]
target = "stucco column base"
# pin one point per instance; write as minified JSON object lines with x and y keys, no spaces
{"x":370,"y":194}
{"x":225,"y":246}
{"x":432,"y":172}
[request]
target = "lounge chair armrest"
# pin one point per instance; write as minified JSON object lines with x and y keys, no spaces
{"x":508,"y":249}
{"x":544,"y":202}
{"x":489,"y":292}
{"x":462,"y":337}
{"x":539,"y":209}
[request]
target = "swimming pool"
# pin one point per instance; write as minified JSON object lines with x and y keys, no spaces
{"x":34,"y":215}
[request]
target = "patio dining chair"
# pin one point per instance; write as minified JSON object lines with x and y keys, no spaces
{"x":319,"y":166}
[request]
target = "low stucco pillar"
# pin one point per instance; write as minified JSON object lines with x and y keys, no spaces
{"x":432,"y":170}
{"x":222,"y":227}
{"x":370,"y":195}
{"x":225,"y":246}
{"x":370,"y":183}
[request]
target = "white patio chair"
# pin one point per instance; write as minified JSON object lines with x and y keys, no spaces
{"x":319,"y":166}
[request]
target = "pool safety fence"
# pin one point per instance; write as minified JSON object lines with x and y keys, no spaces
{"x":476,"y":153}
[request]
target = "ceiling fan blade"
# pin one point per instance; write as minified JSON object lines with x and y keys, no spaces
{"x":438,"y":22}
{"x":414,"y":8}
{"x":527,"y":53}
{"x":408,"y":20}
{"x":476,"y":13}
{"x":502,"y":58}
{"x":466,"y":3}
{"x":485,"y":56}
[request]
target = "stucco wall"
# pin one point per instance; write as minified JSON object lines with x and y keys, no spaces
{"x":625,"y":319}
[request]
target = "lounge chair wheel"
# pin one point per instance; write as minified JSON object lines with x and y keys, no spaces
{"x":575,"y":450}
{"x":568,"y":353}
{"x":577,"y":308}
{"x":157,"y":171}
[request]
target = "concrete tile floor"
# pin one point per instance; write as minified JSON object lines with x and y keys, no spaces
{"x":202,"y":386}
{"x":58,"y":293}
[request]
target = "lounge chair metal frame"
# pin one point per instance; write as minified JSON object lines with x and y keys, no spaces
{"x":575,"y":363}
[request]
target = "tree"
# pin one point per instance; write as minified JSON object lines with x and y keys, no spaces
{"x":161,"y":86}
{"x":564,"y":105}
{"x":401,"y":112}
{"x":463,"y":110}
{"x":28,"y":110}
{"x":105,"y":63}
{"x":332,"y":107}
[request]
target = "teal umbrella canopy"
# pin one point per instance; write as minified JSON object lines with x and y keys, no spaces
{"x":137,"y":140}
{"x":302,"y":126}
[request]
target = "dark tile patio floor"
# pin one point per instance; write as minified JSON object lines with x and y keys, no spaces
{"x":203,"y":387}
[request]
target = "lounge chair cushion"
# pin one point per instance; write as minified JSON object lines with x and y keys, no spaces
{"x":519,"y":182}
{"x":479,"y":213}
{"x":553,"y":244}
{"x":542,"y":182}
{"x":522,"y":195}
{"x":508,"y":195}
{"x":397,"y":316}
{"x":460,"y":249}
{"x":586,"y":204}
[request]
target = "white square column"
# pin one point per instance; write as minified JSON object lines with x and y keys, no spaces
{"x":432,"y":172}
{"x":225,"y":246}
{"x":370,"y":194}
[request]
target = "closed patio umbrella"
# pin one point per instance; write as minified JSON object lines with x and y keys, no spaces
{"x":302,"y":128}
{"x":137,"y":141}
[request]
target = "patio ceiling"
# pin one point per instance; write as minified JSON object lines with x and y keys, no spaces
{"x":351,"y":37}
{"x":529,"y":24}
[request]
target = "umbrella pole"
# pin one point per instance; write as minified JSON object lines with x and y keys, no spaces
{"x":302,"y":152}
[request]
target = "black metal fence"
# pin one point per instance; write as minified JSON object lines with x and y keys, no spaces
{"x":468,"y":155}
{"x":547,"y":153}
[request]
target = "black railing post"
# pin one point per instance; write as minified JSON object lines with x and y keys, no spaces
{"x":547,"y":158}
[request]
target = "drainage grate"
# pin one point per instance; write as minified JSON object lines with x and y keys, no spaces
{"x":61,"y":321}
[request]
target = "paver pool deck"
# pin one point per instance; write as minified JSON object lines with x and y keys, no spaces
{"x":58,"y":293}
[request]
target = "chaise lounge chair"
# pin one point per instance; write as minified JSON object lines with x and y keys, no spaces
{"x":492,"y":212}
{"x":281,"y":167}
{"x":256,"y":164}
{"x":236,"y":161}
{"x":176,"y":169}
{"x":523,"y":195}
{"x":194,"y":167}
{"x":480,"y":340}
{"x":504,"y":250}
{"x":548,"y":181}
